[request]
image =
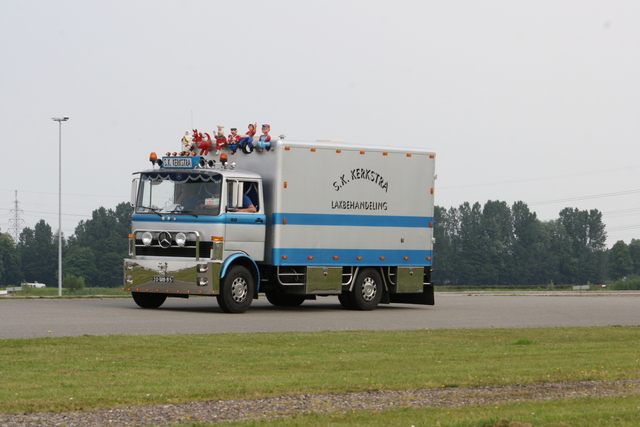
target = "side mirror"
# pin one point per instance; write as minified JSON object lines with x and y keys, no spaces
{"x":134,"y":191}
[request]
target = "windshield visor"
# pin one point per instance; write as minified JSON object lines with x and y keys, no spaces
{"x":179,"y":193}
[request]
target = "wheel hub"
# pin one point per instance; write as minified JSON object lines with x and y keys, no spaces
{"x":369,"y":289}
{"x":239,"y":290}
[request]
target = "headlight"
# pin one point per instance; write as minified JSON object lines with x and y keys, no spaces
{"x":147,"y":238}
{"x":181,"y":239}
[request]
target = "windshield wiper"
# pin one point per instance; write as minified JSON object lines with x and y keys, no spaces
{"x":153,"y":210}
{"x":182,"y":211}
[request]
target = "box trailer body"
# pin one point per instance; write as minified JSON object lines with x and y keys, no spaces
{"x":330,"y":218}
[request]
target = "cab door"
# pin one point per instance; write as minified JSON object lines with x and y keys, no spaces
{"x":245,"y":231}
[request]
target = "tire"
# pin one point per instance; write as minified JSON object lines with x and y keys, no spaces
{"x":145,"y":300}
{"x":367,"y":290}
{"x":284,"y":300}
{"x":236,"y":290}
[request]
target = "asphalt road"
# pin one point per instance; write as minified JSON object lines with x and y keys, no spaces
{"x":53,"y":317}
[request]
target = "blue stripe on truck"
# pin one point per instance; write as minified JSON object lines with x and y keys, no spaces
{"x":369,"y":257}
{"x":352,"y":220}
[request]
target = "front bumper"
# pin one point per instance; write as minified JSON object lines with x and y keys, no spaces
{"x":172,"y":277}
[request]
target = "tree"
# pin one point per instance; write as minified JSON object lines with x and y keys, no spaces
{"x":39,"y":254}
{"x":498,"y":235}
{"x":446,"y":247}
{"x":587,"y":236}
{"x":531,"y":262}
{"x":10,"y":264}
{"x":634,"y":253}
{"x":106,"y":235}
{"x":472,"y":266}
{"x":73,"y":283}
{"x":81,"y":262}
{"x":620,"y":264}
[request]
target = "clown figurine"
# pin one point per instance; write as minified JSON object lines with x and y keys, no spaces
{"x":221,"y":140}
{"x":246,"y":143}
{"x":232,"y":140}
{"x":264,"y":142}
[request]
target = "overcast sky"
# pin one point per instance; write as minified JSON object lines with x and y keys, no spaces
{"x":536,"y":101}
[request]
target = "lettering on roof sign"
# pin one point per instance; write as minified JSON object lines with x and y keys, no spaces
{"x":360,"y":173}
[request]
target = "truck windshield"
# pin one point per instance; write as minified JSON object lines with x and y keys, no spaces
{"x":179,"y":193}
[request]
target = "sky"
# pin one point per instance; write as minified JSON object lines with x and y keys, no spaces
{"x":531,"y":100}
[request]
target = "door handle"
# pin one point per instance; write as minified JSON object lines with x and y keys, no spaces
{"x":259,"y":220}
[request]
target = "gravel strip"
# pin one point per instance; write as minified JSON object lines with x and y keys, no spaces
{"x":218,"y":411}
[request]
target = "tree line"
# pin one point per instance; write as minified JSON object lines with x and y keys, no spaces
{"x":494,"y":244}
{"x":498,"y":244}
{"x":94,"y":252}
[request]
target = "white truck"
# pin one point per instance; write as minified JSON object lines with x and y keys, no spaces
{"x":298,"y":221}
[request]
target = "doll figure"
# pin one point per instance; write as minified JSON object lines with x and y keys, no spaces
{"x":232,"y":140}
{"x":221,"y":140}
{"x":264,"y":142}
{"x":187,"y":142}
{"x":246,"y":143}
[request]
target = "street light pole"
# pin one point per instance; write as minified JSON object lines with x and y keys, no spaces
{"x":60,"y":120}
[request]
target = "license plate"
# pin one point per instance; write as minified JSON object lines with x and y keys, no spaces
{"x":163,"y":279}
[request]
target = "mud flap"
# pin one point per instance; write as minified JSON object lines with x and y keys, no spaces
{"x":425,"y":297}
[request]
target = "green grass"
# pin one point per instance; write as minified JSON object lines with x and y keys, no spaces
{"x":106,"y":371}
{"x":631,"y":283}
{"x":580,"y":412}
{"x":53,"y":292}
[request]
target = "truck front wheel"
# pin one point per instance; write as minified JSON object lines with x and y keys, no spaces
{"x":236,"y":291}
{"x":367,"y":290}
{"x":145,"y":300}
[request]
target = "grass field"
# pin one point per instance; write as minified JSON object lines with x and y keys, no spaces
{"x":86,"y":372}
{"x":53,"y":292}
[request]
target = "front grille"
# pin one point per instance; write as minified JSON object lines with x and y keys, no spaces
{"x":188,"y":251}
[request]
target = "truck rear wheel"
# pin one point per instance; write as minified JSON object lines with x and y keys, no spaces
{"x":236,"y":292}
{"x":284,"y":300}
{"x":145,"y":300}
{"x":367,"y":290}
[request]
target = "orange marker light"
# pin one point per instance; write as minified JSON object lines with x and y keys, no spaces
{"x":362,"y":152}
{"x":313,"y":150}
{"x":338,"y":151}
{"x":408,"y":154}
